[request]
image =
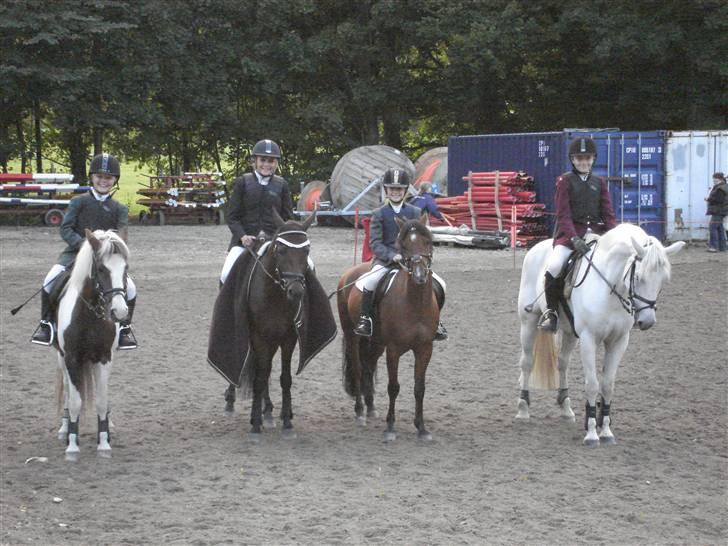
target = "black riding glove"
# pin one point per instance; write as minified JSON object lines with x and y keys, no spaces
{"x":580,"y":245}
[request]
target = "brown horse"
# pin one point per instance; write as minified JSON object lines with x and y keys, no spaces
{"x":406,"y":320}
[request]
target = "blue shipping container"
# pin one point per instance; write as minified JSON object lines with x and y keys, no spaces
{"x":622,"y":157}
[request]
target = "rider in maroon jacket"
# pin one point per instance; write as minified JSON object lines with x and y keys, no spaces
{"x":582,"y":204}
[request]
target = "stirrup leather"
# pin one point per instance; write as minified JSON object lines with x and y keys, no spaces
{"x":39,"y":328}
{"x":364,"y":326}
{"x":127,"y":337}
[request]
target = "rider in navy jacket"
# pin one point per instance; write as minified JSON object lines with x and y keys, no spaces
{"x":383,"y":233}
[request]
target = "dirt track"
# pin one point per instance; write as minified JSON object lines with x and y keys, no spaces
{"x":182,"y":473}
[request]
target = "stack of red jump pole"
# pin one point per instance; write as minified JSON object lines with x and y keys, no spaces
{"x":499,"y":201}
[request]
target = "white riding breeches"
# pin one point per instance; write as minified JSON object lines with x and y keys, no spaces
{"x":370,"y":279}
{"x":557,"y":259}
{"x":50,"y":281}
{"x":235,"y":252}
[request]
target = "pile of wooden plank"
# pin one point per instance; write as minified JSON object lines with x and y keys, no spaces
{"x":502,"y":201}
{"x":190,"y":196}
{"x":43,"y":194}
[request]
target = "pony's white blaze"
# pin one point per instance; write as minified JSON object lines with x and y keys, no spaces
{"x":117,"y":266}
{"x":634,"y":267}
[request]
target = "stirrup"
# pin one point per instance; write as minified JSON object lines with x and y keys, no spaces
{"x":364,"y":327}
{"x":127,"y":339}
{"x":40,"y":329}
{"x":441,"y":333}
{"x":549,"y":321}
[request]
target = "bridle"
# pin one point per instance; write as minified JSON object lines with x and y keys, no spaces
{"x":102,"y":298}
{"x":285,"y":278}
{"x":628,"y":303}
{"x":409,"y":263}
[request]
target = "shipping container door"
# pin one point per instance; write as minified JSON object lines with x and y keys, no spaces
{"x":634,"y":165}
{"x":691,"y":159}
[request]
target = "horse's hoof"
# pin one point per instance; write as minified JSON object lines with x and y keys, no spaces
{"x":288,"y":434}
{"x":522,"y":410}
{"x":568,"y":418}
{"x":607,"y":440}
{"x":255,"y":437}
{"x":424,"y":436}
{"x":268,"y":421}
{"x":103,"y":453}
{"x":229,"y":410}
{"x":73,"y":456}
{"x":591,"y":442}
{"x":372,"y":414}
{"x":390,"y":436}
{"x":361,"y":420}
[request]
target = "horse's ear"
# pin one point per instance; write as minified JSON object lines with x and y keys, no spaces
{"x":423,"y":217}
{"x":307,"y":223}
{"x":277,"y":220}
{"x":674,"y":248}
{"x":95,"y":244}
{"x":641,"y":251}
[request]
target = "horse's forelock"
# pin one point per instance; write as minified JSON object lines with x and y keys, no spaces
{"x":655,"y":259}
{"x":416,"y":226}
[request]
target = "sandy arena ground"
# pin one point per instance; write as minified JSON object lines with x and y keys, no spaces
{"x":182,"y":473}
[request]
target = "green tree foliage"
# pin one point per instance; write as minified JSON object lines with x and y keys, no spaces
{"x":192,"y":84}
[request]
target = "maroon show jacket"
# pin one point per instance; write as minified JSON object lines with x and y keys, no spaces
{"x":566,"y":227}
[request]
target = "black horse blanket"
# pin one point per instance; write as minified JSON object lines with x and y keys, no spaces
{"x":229,"y":349}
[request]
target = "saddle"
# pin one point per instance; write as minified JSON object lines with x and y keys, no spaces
{"x":383,"y":286}
{"x":569,"y":280}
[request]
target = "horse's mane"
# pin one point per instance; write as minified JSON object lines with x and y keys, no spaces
{"x":655,"y":259}
{"x":111,"y":243}
{"x":416,"y":226}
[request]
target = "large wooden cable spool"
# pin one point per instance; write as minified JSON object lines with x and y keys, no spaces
{"x":357,"y":169}
{"x":310,"y":195}
{"x":432,"y":167}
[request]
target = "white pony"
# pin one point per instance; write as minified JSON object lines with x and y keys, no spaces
{"x":90,"y":308}
{"x":617,"y":290}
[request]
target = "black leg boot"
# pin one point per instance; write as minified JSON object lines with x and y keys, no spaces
{"x":553,"y":288}
{"x":127,"y":339}
{"x":364,"y":327}
{"x":45,"y":332}
{"x":441,"y":333}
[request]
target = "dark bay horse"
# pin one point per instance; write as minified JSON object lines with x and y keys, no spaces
{"x":89,"y":310}
{"x":270,"y":301}
{"x":406,"y":320}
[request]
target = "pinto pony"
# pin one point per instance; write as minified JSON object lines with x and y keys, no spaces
{"x":89,"y":311}
{"x":615,"y":288}
{"x":406,"y":320}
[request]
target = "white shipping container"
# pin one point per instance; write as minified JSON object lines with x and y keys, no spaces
{"x":691,"y":159}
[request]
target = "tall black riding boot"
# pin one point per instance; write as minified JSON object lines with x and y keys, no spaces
{"x":45,"y":332}
{"x":127,"y":339}
{"x":553,"y":288}
{"x":364,"y":327}
{"x":441,"y":332}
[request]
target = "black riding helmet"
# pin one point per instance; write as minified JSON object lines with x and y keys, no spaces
{"x":266,"y":148}
{"x":106,"y":164}
{"x":396,"y":178}
{"x":583,"y":145}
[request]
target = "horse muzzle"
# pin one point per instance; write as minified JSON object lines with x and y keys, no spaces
{"x":118,"y":308}
{"x":645,"y":319}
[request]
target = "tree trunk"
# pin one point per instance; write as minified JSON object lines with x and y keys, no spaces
{"x":76,"y":146}
{"x":98,"y":141}
{"x":392,"y":130}
{"x":5,"y":148}
{"x":187,"y":159}
{"x":21,"y":145}
{"x":38,"y":138}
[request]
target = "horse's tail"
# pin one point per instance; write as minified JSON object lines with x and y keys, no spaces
{"x":545,"y":373}
{"x":85,"y":389}
{"x":248,"y":379}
